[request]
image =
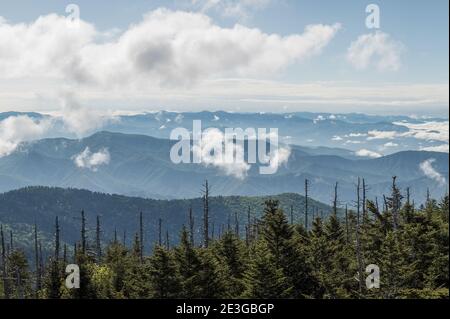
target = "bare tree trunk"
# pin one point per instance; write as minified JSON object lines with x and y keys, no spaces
{"x":335,"y":200}
{"x":98,"y":241}
{"x":83,"y":232}
{"x":65,"y":254}
{"x":358,"y":240}
{"x":206,"y":215}
{"x":364,"y":210}
{"x":141,"y":237}
{"x":36,"y":261}
{"x":306,"y":204}
{"x":347,"y":233}
{"x":4,"y":272}
{"x":160,"y":232}
{"x":57,"y":241}
{"x":167,"y":240}
{"x":191,"y":226}
{"x":236,"y":224}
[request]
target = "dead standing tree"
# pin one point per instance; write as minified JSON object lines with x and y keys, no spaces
{"x":206,"y":214}
{"x":306,"y":203}
{"x":358,"y":238}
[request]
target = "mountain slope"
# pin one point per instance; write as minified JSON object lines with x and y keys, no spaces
{"x":140,"y":166}
{"x":24,"y":207}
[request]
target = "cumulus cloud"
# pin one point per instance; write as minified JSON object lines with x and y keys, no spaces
{"x":367,"y":153}
{"x":377,"y":49}
{"x":49,"y":46}
{"x":92,"y":161}
{"x":17,"y":129}
{"x":427,"y":168}
{"x":166,"y":49}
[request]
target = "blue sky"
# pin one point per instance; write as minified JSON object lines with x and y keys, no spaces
{"x":414,"y":44}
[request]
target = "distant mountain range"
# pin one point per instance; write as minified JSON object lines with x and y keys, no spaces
{"x":353,"y":132}
{"x":139,"y":165}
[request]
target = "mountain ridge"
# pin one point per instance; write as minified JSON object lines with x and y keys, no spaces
{"x":140,"y":165}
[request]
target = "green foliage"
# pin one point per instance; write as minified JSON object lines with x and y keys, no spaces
{"x":281,"y":261}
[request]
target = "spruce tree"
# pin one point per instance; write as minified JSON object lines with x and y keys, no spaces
{"x":263,"y":279}
{"x":163,"y":274}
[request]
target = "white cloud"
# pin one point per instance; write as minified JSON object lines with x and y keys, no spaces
{"x":318,"y":119}
{"x":390,"y":144}
{"x":427,"y":168}
{"x":17,"y":129}
{"x":336,"y":138}
{"x":443,"y":148}
{"x":166,"y":49}
{"x":356,"y":135}
{"x":279,"y":157}
{"x":214,"y":145}
{"x":377,"y":49}
{"x":210,"y":150}
{"x":79,"y":119}
{"x":352,"y":142}
{"x":367,"y":153}
{"x":47,"y":47}
{"x":92,"y":161}
{"x":381,"y":135}
{"x":430,"y":131}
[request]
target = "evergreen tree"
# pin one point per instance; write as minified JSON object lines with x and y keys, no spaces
{"x":164,"y":278}
{"x":230,"y":252}
{"x":264,"y":280}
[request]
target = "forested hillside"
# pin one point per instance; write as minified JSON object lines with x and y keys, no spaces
{"x":263,"y":256}
{"x":23,"y":208}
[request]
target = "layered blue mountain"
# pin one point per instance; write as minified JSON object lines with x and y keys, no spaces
{"x":337,"y":131}
{"x":140,"y":165}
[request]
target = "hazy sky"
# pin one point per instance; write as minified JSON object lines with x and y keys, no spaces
{"x":238,"y":55}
